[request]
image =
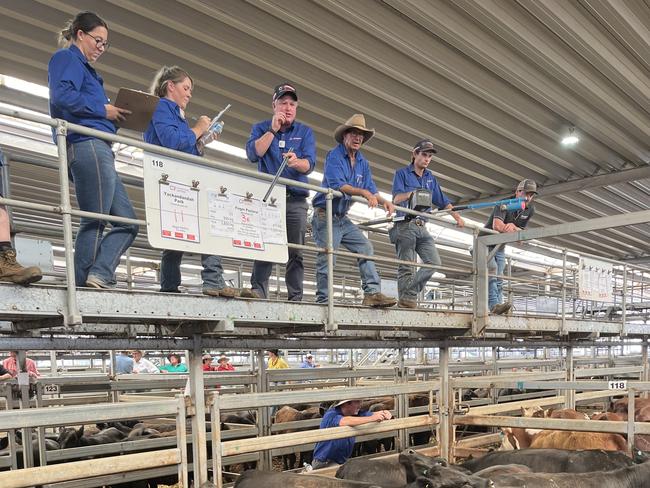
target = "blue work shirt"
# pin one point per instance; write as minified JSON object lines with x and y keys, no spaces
{"x":77,"y":93}
{"x":123,"y":364}
{"x":406,"y":180}
{"x":169,"y":129}
{"x":299,"y":137}
{"x":307,"y":364}
{"x":338,"y":450}
{"x":340,"y":172}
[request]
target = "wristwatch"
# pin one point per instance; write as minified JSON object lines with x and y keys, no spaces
{"x":274,"y":132}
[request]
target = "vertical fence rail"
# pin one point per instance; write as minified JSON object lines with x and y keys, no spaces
{"x":331,"y":324}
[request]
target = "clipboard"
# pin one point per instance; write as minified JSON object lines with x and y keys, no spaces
{"x":141,"y":104}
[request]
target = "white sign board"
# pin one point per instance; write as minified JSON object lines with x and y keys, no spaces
{"x":617,"y":385}
{"x":595,"y":280}
{"x":203,"y":210}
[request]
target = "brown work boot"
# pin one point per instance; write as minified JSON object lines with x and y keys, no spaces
{"x":407,"y":303}
{"x":226,"y":292}
{"x":248,"y":293}
{"x":501,"y":308}
{"x":378,"y":300}
{"x":11,"y":271}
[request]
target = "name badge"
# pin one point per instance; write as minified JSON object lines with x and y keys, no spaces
{"x":281,"y":144}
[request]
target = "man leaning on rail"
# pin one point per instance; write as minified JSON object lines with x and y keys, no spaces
{"x":348,"y":171}
{"x":502,"y":221}
{"x":270,"y":142}
{"x":409,"y":234}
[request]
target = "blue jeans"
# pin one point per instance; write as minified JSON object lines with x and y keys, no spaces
{"x":496,"y":265}
{"x":99,"y":189}
{"x":348,"y":235}
{"x":412,"y":240}
{"x":170,"y":271}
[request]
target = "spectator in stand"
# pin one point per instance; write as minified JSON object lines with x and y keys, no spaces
{"x":142,"y":365}
{"x":11,"y":365}
{"x":275,"y":361}
{"x":4,"y":373}
{"x":309,"y":362}
{"x":123,"y":363}
{"x":224,"y":364}
{"x":207,"y":363}
{"x":176,"y":366}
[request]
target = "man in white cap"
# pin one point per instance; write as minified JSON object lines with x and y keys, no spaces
{"x":348,"y":171}
{"x":345,"y":412}
{"x":507,"y":221}
{"x":309,"y":361}
{"x":409,"y":233}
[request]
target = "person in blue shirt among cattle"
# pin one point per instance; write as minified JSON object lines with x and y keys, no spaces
{"x":345,"y":412}
{"x":168,"y":128}
{"x":77,"y":96}
{"x":409,"y":234}
{"x":269,"y":143}
{"x":508,"y":221}
{"x":348,"y":171}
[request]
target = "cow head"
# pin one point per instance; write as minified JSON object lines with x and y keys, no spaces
{"x":535,"y":411}
{"x":69,"y":437}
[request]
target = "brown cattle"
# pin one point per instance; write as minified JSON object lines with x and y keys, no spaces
{"x":561,"y":413}
{"x":611,"y":416}
{"x":573,"y":441}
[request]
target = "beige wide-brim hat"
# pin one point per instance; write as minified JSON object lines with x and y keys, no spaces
{"x":223,"y":358}
{"x":357,"y":121}
{"x":338,"y":404}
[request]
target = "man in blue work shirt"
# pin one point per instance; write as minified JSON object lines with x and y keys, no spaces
{"x":269,"y":143}
{"x":503,"y":220}
{"x":348,"y":171}
{"x":345,"y":412}
{"x":409,"y":234}
{"x":123,"y":363}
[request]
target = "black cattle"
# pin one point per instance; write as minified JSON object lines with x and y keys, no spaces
{"x":437,"y":472}
{"x":553,"y":460}
{"x":69,"y":437}
{"x":50,"y":445}
{"x":386,"y":473}
{"x":493,"y":471}
{"x":269,"y":479}
{"x":636,"y":476}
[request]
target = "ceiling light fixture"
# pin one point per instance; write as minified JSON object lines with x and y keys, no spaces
{"x":571,"y":138}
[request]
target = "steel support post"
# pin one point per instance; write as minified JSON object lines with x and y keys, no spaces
{"x":23,"y":384}
{"x":215,"y":419}
{"x":53,"y":367}
{"x":129,"y":270}
{"x":630,"y":419}
{"x":331,"y":325}
{"x":181,"y":441}
{"x":403,"y":402}
{"x":563,"y":323}
{"x":645,"y":374}
{"x":351,"y":381}
{"x":42,"y":456}
{"x":197,"y":397}
{"x":480,"y":320}
{"x":263,"y":413}
{"x":444,"y":410}
{"x":624,"y":302}
{"x":569,"y":395}
{"x":71,"y":315}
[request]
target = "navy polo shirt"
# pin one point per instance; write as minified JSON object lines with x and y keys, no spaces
{"x":299,"y":137}
{"x":168,"y":128}
{"x":518,"y":217}
{"x":407,"y":180}
{"x":77,"y":93}
{"x":339,"y":172}
{"x":338,"y":450}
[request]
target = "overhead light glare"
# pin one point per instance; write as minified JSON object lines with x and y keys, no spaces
{"x":571,"y":138}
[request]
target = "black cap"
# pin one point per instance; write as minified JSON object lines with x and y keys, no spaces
{"x":527,"y":186}
{"x":425,"y":145}
{"x":284,"y":89}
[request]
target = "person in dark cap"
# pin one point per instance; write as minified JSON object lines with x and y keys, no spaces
{"x":503,"y":220}
{"x":270,"y":141}
{"x":348,"y":171}
{"x":409,"y":233}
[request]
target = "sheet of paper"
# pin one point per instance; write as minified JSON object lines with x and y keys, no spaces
{"x":179,"y":212}
{"x":273,"y":224}
{"x":248,"y":224}
{"x":220,"y":212}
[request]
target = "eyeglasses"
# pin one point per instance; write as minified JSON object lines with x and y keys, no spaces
{"x":356,"y":133}
{"x":100,"y":42}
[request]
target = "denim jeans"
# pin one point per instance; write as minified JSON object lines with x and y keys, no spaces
{"x":296,"y":219}
{"x":410,"y":240}
{"x":170,"y":271}
{"x":99,"y":189}
{"x":496,"y":265}
{"x":348,"y":235}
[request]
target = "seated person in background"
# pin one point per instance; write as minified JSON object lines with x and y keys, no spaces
{"x":4,"y":374}
{"x":224,"y":364}
{"x":142,"y":365}
{"x":207,"y":363}
{"x":309,"y":362}
{"x":176,"y":366}
{"x":275,"y":361}
{"x":11,"y":365}
{"x":123,"y":363}
{"x":345,"y":412}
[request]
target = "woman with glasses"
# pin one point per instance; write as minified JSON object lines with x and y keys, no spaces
{"x":77,"y":95}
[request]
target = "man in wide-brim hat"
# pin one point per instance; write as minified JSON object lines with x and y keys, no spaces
{"x":344,"y":412}
{"x":348,"y":171}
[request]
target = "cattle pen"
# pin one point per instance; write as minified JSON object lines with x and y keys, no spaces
{"x":459,"y":378}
